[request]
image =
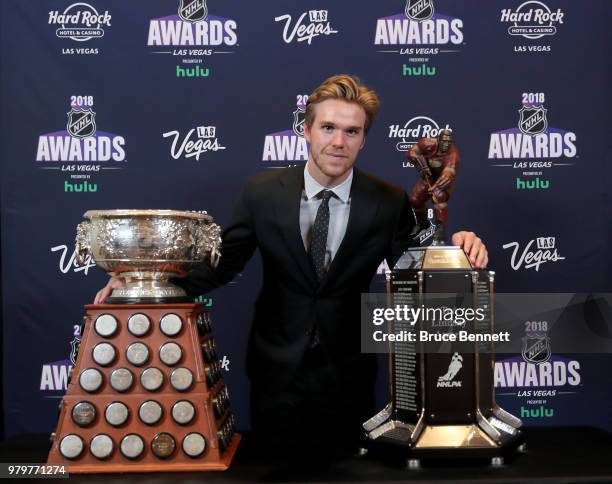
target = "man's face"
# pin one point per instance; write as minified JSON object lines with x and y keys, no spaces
{"x":336,"y":136}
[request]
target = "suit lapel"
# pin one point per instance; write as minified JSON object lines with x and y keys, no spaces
{"x":364,"y":207}
{"x":288,"y":214}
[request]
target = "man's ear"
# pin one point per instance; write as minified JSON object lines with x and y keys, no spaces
{"x":307,"y":132}
{"x":363,"y":143}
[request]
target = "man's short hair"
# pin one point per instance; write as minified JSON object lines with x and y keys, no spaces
{"x":346,"y":88}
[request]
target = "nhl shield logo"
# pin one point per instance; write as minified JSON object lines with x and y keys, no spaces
{"x":536,"y":348}
{"x":81,"y":123}
{"x":75,"y":344}
{"x":193,"y":10}
{"x":419,"y":10}
{"x":299,"y":117}
{"x":532,"y":120}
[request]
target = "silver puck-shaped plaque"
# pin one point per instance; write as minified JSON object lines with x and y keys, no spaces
{"x":116,"y":414}
{"x":222,"y":440}
{"x":139,"y":324}
{"x":171,"y":324}
{"x":106,"y":325}
{"x":150,"y":412}
{"x":132,"y":446}
{"x":218,"y":408}
{"x":208,"y":353}
{"x":183,"y":412}
{"x":83,"y":414}
{"x":71,"y":446}
{"x":181,"y":379}
{"x":201,"y":324}
{"x":101,"y":446}
{"x":152,"y":379}
{"x":104,"y":354}
{"x":209,"y":376}
{"x":170,"y":353}
{"x":194,"y":444}
{"x":121,"y":379}
{"x":163,"y":445}
{"x":137,"y":354}
{"x":90,"y":380}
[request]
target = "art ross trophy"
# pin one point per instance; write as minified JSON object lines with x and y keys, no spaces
{"x":441,"y":404}
{"x":146,"y":393}
{"x":148,"y":248}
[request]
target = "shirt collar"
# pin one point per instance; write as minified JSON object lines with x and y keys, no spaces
{"x":312,"y":187}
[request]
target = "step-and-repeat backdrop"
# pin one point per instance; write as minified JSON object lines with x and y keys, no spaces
{"x":174,"y":103}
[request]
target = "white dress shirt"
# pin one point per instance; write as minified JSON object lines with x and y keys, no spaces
{"x":339,"y":209}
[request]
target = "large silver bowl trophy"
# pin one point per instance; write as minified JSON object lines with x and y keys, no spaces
{"x":148,"y":248}
{"x":147,"y":352}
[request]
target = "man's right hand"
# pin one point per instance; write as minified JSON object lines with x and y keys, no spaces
{"x":113,"y":283}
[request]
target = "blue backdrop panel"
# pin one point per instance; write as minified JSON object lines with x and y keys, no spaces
{"x":185,"y":111}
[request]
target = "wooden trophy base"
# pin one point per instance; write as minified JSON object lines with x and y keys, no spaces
{"x":146,"y":394}
{"x":221,"y":465}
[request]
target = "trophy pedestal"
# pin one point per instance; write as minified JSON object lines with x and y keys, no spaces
{"x":450,"y":442}
{"x":443,"y":404}
{"x":146,"y":394}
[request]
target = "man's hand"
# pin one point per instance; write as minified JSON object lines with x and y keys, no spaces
{"x":113,"y":283}
{"x":473,"y":247}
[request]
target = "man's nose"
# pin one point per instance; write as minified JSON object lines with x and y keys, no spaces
{"x":338,"y":139}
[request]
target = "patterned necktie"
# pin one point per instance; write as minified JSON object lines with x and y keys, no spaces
{"x":318,"y":245}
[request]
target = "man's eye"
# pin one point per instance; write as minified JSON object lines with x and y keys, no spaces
{"x":327,"y":127}
{"x":352,"y":132}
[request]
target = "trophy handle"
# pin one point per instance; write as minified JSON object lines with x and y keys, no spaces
{"x":82,"y":246}
{"x":208,"y":242}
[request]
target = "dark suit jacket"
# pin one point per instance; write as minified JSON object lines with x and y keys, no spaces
{"x":292,"y":302}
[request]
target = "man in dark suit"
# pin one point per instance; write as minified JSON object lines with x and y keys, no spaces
{"x":322,"y":231}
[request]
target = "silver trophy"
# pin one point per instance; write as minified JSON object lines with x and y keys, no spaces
{"x":148,"y":248}
{"x":443,"y":404}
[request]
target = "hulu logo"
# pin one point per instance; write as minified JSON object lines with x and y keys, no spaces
{"x":83,"y":187}
{"x":196,"y":71}
{"x":541,"y":412}
{"x":207,"y":301}
{"x":422,"y":70}
{"x":536,"y":184}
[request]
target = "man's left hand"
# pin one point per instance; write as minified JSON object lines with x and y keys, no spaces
{"x":473,"y":247}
